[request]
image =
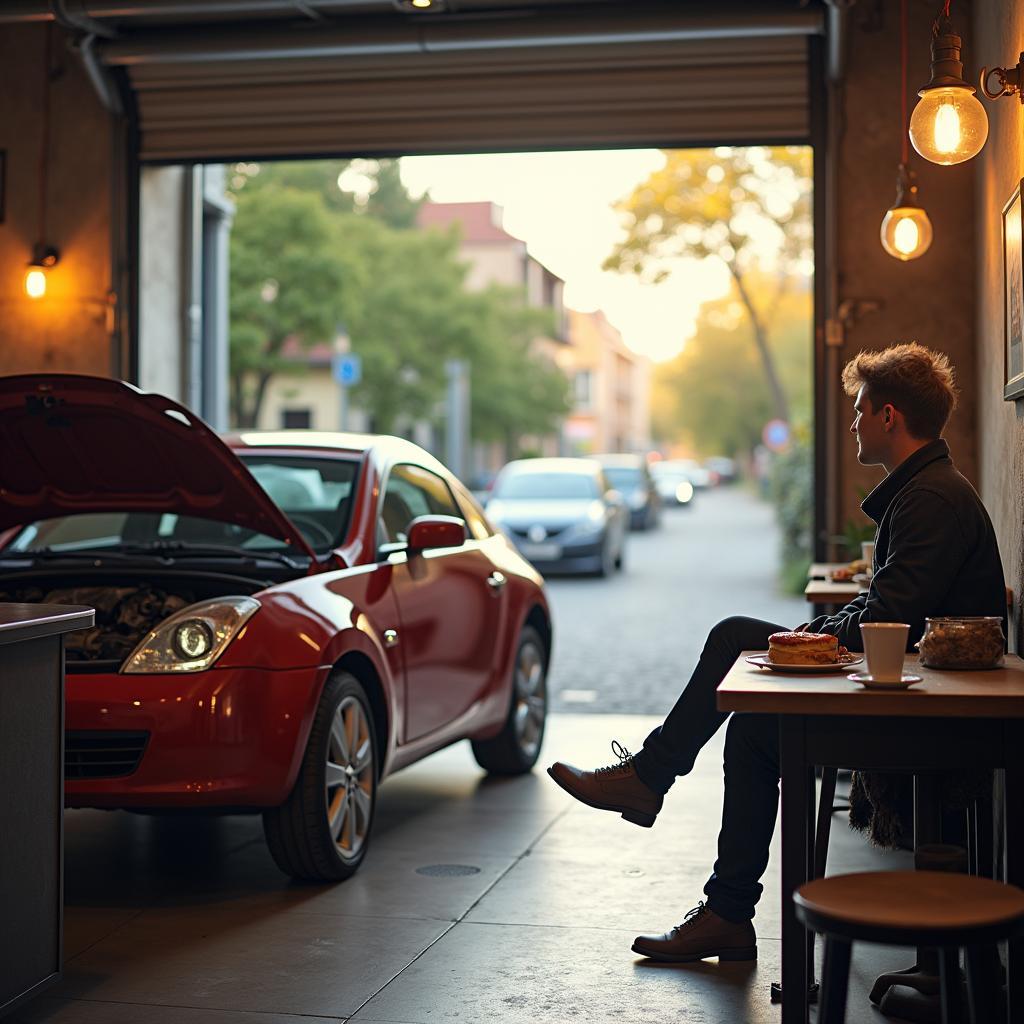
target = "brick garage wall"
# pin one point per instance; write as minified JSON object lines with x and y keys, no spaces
{"x":998,"y":39}
{"x":932,"y":299}
{"x":68,"y":329}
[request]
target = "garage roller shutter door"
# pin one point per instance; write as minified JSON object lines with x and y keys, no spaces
{"x":672,"y":93}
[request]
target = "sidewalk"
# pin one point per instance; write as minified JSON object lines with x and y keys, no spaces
{"x":481,"y":900}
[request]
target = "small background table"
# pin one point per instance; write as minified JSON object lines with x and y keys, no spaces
{"x":950,"y":721}
{"x":32,"y":794}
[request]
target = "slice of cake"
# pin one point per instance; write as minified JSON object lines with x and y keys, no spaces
{"x":803,"y":649}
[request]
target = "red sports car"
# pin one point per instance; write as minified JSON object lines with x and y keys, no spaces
{"x":282,"y":619}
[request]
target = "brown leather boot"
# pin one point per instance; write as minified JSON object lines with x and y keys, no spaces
{"x":703,"y":934}
{"x":615,"y":788}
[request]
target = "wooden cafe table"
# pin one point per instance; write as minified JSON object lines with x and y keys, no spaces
{"x":951,"y":720}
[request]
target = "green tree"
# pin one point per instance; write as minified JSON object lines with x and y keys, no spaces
{"x":515,"y":390}
{"x":371,"y":187}
{"x":714,"y":394}
{"x":288,"y":279}
{"x":731,"y":204}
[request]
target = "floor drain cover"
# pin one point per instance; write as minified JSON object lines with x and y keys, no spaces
{"x":447,"y":870}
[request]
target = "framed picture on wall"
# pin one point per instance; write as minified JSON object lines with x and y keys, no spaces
{"x":1013,"y":299}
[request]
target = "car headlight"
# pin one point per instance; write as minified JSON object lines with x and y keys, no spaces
{"x":684,"y":492}
{"x":637,"y":500}
{"x":194,"y":638}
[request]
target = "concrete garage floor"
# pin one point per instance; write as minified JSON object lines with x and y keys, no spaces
{"x":187,"y":921}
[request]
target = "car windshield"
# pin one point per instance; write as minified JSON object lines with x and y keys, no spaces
{"x":313,"y":492}
{"x":663,"y":471}
{"x":624,"y":478}
{"x":559,"y":486}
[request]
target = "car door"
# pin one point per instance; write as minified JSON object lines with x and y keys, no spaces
{"x":451,"y":604}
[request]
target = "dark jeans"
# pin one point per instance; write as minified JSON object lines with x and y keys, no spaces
{"x":751,"y":766}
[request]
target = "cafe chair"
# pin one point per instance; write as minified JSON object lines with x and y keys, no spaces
{"x":914,"y":908}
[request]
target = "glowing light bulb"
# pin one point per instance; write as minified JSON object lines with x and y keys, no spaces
{"x":906,"y":236}
{"x":948,"y":125}
{"x":906,"y":231}
{"x":947,"y":128}
{"x":35,"y":283}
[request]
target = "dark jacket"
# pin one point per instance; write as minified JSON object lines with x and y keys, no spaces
{"x":935,"y":552}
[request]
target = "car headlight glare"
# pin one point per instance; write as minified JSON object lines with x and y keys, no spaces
{"x":684,"y":492}
{"x":192,"y":639}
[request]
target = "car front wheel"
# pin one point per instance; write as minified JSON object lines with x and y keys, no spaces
{"x":514,"y":751}
{"x":321,"y":832}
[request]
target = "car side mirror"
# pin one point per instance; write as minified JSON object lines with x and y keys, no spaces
{"x":428,"y":532}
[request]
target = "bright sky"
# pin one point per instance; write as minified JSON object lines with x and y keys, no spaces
{"x":560,"y":204}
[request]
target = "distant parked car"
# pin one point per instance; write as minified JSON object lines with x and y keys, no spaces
{"x":672,"y":480}
{"x":700,"y":477}
{"x":723,"y":468}
{"x":563,"y":515}
{"x":630,"y":476}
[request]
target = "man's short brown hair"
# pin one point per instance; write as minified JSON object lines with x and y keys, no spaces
{"x":917,"y":381}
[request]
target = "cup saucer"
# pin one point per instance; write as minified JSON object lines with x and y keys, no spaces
{"x":868,"y":680}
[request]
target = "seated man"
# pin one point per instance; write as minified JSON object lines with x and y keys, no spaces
{"x":935,"y":554}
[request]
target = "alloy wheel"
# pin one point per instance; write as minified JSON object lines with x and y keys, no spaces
{"x":349,"y":778}
{"x":531,"y":698}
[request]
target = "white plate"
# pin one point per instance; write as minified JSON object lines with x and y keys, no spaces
{"x":867,"y":680}
{"x":844,"y":662}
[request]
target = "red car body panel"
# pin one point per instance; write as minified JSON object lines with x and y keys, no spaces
{"x":90,"y":444}
{"x":233,"y":736}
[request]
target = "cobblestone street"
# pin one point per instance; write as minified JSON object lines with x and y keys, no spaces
{"x":628,"y":644}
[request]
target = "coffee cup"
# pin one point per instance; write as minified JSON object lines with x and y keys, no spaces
{"x":867,"y":553}
{"x":885,"y":646}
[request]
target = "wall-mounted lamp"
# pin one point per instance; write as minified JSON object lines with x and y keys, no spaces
{"x":906,"y":229}
{"x":44,"y":257}
{"x":949,"y":125}
{"x":1011,"y":80}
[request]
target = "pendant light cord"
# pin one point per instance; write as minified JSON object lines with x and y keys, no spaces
{"x":44,"y":148}
{"x":904,"y":126}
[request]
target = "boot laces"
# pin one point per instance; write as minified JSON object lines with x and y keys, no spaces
{"x":625,"y":760}
{"x":692,"y":916}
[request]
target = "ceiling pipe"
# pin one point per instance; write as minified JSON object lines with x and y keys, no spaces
{"x":391,"y":36}
{"x":42,"y":10}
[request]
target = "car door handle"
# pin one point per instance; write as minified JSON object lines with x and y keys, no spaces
{"x":496,"y":581}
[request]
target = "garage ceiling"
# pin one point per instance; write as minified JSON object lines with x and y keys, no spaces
{"x":222,"y":80}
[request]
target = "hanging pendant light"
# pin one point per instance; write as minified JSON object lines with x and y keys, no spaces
{"x":906,"y":231}
{"x":949,"y":124}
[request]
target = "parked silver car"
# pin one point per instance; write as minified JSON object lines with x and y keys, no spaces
{"x":562,"y":514}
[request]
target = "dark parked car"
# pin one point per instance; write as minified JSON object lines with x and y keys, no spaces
{"x":631,"y":477}
{"x":562,"y":514}
{"x":282,"y":619}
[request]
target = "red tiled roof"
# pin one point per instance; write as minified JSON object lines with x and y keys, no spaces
{"x":476,"y":220}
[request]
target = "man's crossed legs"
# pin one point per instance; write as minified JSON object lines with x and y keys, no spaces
{"x":635,"y":787}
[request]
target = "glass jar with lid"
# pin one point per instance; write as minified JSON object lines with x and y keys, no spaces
{"x":962,"y":642}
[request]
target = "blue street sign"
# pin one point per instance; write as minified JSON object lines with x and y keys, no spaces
{"x":775,"y":435}
{"x":347,"y":369}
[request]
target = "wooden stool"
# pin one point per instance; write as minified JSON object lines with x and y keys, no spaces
{"x":914,"y":908}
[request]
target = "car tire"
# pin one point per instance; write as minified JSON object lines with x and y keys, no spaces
{"x":322,"y":831}
{"x":514,"y":751}
{"x":607,"y":566}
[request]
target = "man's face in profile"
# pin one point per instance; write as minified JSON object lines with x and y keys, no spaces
{"x":868,"y":428}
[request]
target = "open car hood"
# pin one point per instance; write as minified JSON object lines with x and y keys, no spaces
{"x":71,"y":444}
